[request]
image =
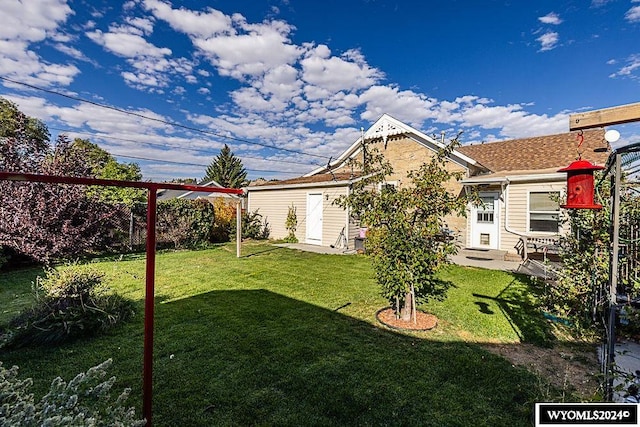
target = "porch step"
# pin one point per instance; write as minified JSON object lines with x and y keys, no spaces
{"x":483,"y":254}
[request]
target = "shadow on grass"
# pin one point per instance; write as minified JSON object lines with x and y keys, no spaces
{"x":15,"y":291}
{"x":259,"y":358}
{"x":263,"y":251}
{"x":518,"y":306}
{"x":255,"y":357}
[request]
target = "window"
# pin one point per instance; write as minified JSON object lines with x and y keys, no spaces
{"x":485,"y":239}
{"x":388,"y":186}
{"x":486,"y":210}
{"x":544,"y":211}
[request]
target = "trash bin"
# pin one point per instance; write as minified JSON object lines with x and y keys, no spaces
{"x":359,"y":244}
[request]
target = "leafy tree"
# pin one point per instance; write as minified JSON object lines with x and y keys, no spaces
{"x":227,"y":170}
{"x":47,"y":221}
{"x":586,"y":255}
{"x":24,"y":141}
{"x":405,"y":226}
{"x":104,"y":166}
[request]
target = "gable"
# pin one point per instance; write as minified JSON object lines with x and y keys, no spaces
{"x":386,"y":132}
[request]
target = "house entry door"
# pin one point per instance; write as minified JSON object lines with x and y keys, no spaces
{"x":314,"y":218}
{"x":485,"y":222}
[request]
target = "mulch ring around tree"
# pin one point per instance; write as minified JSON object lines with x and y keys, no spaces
{"x":424,"y":321}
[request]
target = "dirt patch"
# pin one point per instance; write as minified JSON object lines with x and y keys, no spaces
{"x":423,"y":321}
{"x":571,"y":368}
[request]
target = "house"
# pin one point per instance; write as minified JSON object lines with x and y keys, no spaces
{"x":165,"y":194}
{"x":515,"y":180}
{"x":520,"y":185}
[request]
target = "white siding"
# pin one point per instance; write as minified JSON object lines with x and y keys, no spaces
{"x":517,"y":204}
{"x":273,"y":205}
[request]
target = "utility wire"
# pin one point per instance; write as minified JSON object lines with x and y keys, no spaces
{"x":193,"y":164}
{"x":166,"y":122}
{"x":151,"y":144}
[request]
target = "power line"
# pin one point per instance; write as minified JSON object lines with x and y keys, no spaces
{"x":166,"y":122}
{"x":193,"y":164}
{"x":151,"y":144}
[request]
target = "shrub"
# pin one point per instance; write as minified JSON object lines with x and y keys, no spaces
{"x":84,"y":401}
{"x":185,"y":223}
{"x":253,"y":227}
{"x":225,"y":214}
{"x":69,"y":303}
{"x":291,"y":224}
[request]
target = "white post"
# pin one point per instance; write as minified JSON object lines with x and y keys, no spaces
{"x":238,"y":227}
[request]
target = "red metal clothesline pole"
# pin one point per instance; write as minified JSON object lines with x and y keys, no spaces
{"x":152,"y":187}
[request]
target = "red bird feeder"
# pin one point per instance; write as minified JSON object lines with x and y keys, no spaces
{"x":580,"y":185}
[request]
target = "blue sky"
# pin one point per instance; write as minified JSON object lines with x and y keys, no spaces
{"x":288,"y":84}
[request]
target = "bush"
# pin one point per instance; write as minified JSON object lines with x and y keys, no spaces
{"x":69,"y":303}
{"x":84,"y":401}
{"x":291,"y":224}
{"x":185,"y":223}
{"x":225,"y":214}
{"x":253,"y":227}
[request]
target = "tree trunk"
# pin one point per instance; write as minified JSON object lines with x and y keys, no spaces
{"x":406,"y":311}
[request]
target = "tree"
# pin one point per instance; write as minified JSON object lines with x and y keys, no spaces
{"x":227,"y":170}
{"x":586,"y":253}
{"x":24,"y":140}
{"x":47,"y":221}
{"x":104,"y":166}
{"x":405,"y":226}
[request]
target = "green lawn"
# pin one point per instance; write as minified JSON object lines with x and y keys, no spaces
{"x":280,"y":337}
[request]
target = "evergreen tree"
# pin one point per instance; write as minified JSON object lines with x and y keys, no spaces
{"x":227,"y":170}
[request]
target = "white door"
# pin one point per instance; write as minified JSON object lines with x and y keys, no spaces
{"x":485,"y":222}
{"x":314,"y":218}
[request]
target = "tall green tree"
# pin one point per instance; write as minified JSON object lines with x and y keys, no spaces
{"x":405,"y":226}
{"x":227,"y":170}
{"x":24,"y":140}
{"x":104,"y":166}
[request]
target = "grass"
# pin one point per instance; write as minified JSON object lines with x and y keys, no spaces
{"x":280,"y":337}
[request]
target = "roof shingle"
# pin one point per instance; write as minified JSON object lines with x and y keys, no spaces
{"x":540,"y":152}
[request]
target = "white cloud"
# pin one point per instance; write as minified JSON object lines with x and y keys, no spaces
{"x":26,"y":23}
{"x":632,"y":64}
{"x":633,"y":14}
{"x":152,"y":66}
{"x":123,"y":42}
{"x":198,"y":24}
{"x":250,"y":99}
{"x":259,"y":49}
{"x":551,"y":18}
{"x":281,"y":82}
{"x":407,"y":106}
{"x":31,"y":20}
{"x":548,"y":41}
{"x":349,"y":72}
{"x":72,"y":52}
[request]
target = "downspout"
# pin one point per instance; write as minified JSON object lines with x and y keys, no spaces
{"x":505,"y":190}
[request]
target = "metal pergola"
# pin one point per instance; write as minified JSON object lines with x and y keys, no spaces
{"x":152,"y":187}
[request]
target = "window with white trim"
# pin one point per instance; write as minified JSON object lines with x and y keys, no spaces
{"x":544,"y":211}
{"x":387,"y":185}
{"x":485,"y":212}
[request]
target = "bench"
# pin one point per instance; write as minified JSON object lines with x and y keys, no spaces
{"x":544,"y":245}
